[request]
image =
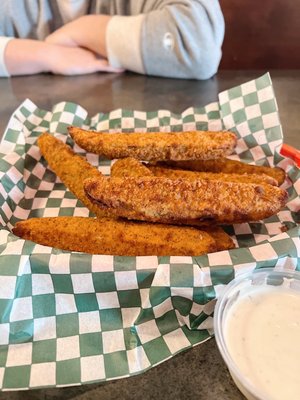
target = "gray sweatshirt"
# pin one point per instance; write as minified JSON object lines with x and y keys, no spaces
{"x":171,"y":38}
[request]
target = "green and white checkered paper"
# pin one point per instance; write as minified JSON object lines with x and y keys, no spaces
{"x":71,"y":318}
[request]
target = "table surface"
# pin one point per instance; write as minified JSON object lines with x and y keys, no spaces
{"x":199,"y":372}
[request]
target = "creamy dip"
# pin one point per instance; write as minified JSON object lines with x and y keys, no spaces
{"x":262,"y":332}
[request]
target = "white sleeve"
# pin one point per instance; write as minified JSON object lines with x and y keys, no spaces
{"x":123,"y":42}
{"x":3,"y":43}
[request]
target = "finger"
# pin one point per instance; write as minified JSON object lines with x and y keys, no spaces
{"x":104,"y":66}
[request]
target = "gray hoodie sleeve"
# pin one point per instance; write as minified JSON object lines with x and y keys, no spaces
{"x":179,"y":39}
{"x":172,"y":38}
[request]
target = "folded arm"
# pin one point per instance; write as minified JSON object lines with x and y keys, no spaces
{"x":27,"y":57}
{"x":180,"y":39}
{"x":87,"y":32}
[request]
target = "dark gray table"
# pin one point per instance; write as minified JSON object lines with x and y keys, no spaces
{"x":106,"y":92}
{"x":198,"y":373}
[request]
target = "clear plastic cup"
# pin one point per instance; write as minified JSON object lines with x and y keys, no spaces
{"x":233,"y":292}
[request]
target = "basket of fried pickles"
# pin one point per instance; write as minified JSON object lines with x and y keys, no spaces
{"x":169,"y":193}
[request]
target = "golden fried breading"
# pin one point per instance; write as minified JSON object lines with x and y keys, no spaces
{"x":227,"y":166}
{"x":116,"y":237}
{"x":129,"y":167}
{"x":223,"y":240}
{"x":156,"y":145}
{"x":173,"y":173}
{"x":132,"y":167}
{"x":71,"y":168}
{"x":165,"y":200}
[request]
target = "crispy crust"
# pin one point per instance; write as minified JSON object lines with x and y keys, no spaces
{"x":223,"y":240}
{"x":220,"y":176}
{"x":132,"y":167}
{"x":227,"y":166}
{"x":71,"y":168}
{"x":109,"y":236}
{"x":155,"y":146}
{"x":129,"y":167}
{"x":164,"y":200}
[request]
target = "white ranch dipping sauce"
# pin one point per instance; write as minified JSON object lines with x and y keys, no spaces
{"x":262,"y":332}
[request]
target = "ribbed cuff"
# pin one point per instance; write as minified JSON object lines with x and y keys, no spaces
{"x":3,"y":42}
{"x":123,"y":42}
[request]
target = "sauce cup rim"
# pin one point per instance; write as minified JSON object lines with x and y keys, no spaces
{"x":218,"y":322}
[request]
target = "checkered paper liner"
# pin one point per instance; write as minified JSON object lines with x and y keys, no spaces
{"x":71,"y":318}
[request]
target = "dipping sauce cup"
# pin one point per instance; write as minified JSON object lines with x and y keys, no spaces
{"x":257,"y":330}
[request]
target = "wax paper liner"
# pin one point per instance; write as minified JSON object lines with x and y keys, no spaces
{"x":72,"y":318}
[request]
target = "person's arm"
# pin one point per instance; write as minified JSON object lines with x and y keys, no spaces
{"x":27,"y":57}
{"x":121,"y":44}
{"x":87,"y":32}
{"x":183,"y":39}
{"x":24,"y":57}
{"x":179,"y":39}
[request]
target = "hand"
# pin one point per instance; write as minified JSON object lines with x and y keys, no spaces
{"x":77,"y":61}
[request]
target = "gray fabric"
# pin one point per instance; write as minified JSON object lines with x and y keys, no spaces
{"x":179,"y":38}
{"x":197,"y":30}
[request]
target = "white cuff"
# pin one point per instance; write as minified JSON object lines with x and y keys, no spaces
{"x":3,"y":42}
{"x":123,"y":42}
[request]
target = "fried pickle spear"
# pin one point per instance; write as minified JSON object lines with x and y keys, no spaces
{"x":156,"y":145}
{"x":129,"y":167}
{"x":165,"y":200}
{"x":116,"y":237}
{"x":223,"y":240}
{"x":132,"y":167}
{"x":220,"y":176}
{"x":71,"y":168}
{"x":227,"y":166}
